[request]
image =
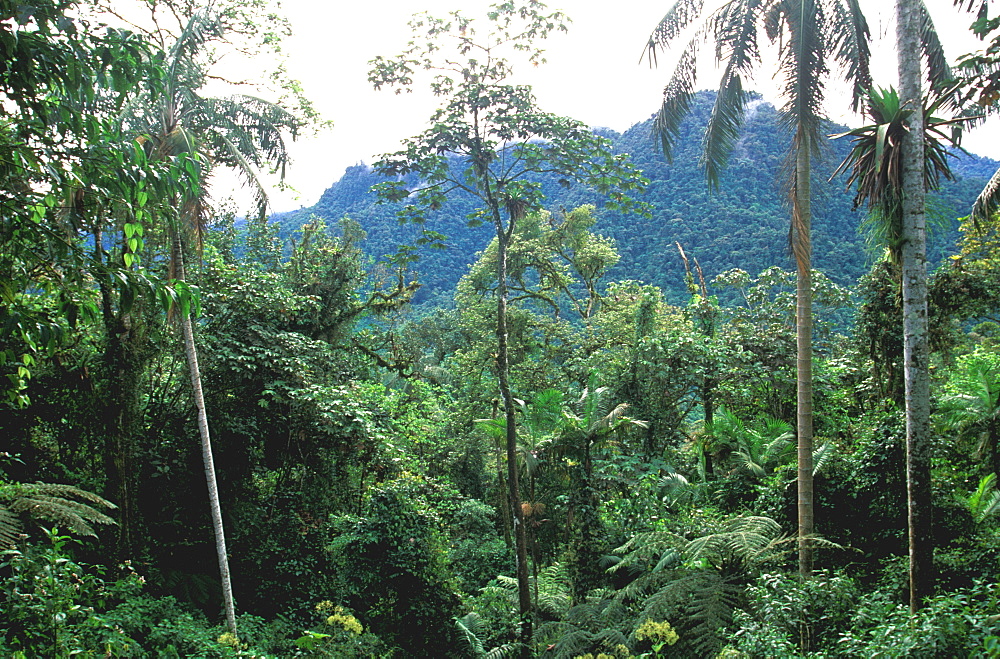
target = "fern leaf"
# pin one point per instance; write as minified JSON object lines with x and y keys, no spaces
{"x":10,"y":527}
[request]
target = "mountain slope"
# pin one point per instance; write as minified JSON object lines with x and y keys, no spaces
{"x":743,"y":224}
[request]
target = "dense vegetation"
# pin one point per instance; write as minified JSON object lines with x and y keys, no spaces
{"x":361,"y":442}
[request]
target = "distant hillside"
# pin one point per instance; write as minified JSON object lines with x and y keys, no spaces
{"x":743,"y":224}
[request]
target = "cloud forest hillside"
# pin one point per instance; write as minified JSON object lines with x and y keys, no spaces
{"x":743,"y":224}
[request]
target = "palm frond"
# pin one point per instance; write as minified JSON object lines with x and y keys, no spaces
{"x":724,"y":127}
{"x":988,"y":202}
{"x":677,"y":19}
{"x":677,"y":99}
{"x":985,"y":501}
{"x":734,"y":27}
{"x":804,"y":68}
{"x":939,"y":73}
{"x":848,"y":36}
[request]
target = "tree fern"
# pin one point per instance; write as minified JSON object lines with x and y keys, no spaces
{"x":696,"y":584}
{"x":600,"y":623}
{"x":65,"y":505}
{"x":470,"y":628}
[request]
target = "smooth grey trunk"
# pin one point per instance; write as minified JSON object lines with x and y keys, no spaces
{"x":802,"y":248}
{"x":916,"y":352}
{"x":191,"y":353}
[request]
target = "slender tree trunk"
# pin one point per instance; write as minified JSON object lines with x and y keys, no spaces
{"x":520,"y":540}
{"x":802,"y":247}
{"x":916,"y":352}
{"x":191,"y":352}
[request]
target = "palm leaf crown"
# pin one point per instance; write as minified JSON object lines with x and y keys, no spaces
{"x":812,"y":36}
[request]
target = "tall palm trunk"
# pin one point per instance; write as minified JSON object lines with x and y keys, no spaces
{"x":916,"y":351}
{"x":191,"y":353}
{"x":802,"y":248}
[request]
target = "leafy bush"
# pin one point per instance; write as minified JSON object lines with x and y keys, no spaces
{"x":53,"y":606}
{"x":391,"y":569}
{"x":784,"y":611}
{"x":338,"y":634}
{"x":960,"y":624}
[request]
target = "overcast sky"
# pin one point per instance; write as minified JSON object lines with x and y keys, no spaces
{"x":593,"y":74}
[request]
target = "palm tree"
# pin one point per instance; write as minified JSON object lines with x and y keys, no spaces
{"x":874,"y":162}
{"x":757,"y":447}
{"x":812,"y":35}
{"x":881,"y":167}
{"x":893,"y":162}
{"x":194,"y":134}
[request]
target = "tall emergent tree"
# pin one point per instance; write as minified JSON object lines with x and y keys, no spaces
{"x":893,"y":162}
{"x":812,"y":36}
{"x":489,"y":140}
{"x":910,"y":20}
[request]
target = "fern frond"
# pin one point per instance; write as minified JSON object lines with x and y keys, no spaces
{"x":744,"y":539}
{"x":469,"y":628}
{"x":823,"y":455}
{"x":554,"y":590}
{"x":504,"y":651}
{"x":709,"y":613}
{"x":567,"y":640}
{"x":54,"y":502}
{"x":10,"y":527}
{"x":644,"y":547}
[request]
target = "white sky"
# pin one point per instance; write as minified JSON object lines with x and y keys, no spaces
{"x":593,"y":74}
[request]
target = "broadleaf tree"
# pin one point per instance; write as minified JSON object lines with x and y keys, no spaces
{"x":491,"y":141}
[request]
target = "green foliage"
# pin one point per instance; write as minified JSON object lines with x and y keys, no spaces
{"x":953,"y":624}
{"x":784,"y":612}
{"x":392,"y":570}
{"x":697,"y":584}
{"x":476,"y":553}
{"x":56,"y":607}
{"x":984,"y":502}
{"x":339,"y":634}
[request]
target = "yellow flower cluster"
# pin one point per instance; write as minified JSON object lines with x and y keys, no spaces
{"x":340,"y":617}
{"x":657,"y":632}
{"x":228,"y":638}
{"x":345,"y":620}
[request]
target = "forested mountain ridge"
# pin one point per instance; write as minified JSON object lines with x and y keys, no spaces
{"x":743,"y":224}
